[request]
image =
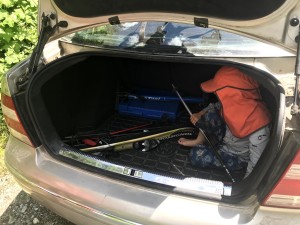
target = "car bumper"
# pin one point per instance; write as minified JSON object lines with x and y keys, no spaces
{"x":88,"y":198}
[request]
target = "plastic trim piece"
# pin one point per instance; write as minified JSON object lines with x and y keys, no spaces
{"x":203,"y":187}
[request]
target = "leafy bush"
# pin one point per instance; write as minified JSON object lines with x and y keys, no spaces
{"x":18,"y":31}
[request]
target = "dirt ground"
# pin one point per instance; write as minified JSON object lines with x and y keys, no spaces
{"x":18,"y":208}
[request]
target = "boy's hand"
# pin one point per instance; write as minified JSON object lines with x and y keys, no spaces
{"x":196,"y":116}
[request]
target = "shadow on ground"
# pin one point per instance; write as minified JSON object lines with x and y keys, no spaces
{"x":18,"y":208}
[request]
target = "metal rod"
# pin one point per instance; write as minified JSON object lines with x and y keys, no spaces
{"x":296,"y":90}
{"x":206,"y":138}
{"x":130,"y":128}
{"x":295,"y":106}
{"x":185,"y":131}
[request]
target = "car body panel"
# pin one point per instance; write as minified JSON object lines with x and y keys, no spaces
{"x":86,"y":197}
{"x":272,"y":28}
{"x":63,"y":188}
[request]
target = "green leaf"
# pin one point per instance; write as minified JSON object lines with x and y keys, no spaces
{"x":6,"y":3}
{"x":3,"y":14}
{"x":18,"y":31}
{"x":5,"y":37}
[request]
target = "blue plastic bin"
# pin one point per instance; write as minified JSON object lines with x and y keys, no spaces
{"x":149,"y":109}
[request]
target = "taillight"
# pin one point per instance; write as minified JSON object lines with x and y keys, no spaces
{"x":12,"y":119}
{"x":286,"y":192}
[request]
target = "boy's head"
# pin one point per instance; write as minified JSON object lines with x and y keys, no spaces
{"x":242,"y":108}
{"x":228,"y":76}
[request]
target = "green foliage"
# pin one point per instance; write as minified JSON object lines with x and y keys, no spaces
{"x":18,"y":31}
{"x":97,"y":36}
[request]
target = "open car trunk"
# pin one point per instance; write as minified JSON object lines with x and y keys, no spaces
{"x":91,"y":98}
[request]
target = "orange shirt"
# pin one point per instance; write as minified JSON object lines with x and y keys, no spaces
{"x":243,"y":110}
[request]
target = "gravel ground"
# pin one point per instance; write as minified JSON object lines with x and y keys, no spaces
{"x":18,"y":208}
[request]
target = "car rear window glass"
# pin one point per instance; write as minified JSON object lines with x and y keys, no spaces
{"x":174,"y":38}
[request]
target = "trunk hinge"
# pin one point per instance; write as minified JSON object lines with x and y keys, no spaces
{"x":46,"y":32}
{"x":201,"y":22}
{"x":295,"y":106}
{"x":114,"y":20}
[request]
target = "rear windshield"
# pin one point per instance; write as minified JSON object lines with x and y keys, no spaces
{"x":173,"y":38}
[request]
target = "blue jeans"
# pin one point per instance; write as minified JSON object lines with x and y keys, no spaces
{"x":202,"y":155}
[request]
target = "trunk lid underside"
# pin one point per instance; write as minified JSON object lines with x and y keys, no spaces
{"x":275,"y":22}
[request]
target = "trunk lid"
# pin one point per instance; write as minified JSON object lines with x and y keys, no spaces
{"x":273,"y":21}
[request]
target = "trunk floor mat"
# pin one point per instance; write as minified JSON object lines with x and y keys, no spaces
{"x":167,"y":159}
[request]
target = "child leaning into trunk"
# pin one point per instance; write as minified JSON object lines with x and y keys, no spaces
{"x":239,"y":123}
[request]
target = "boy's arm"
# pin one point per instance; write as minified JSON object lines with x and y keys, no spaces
{"x":195,"y":118}
{"x":213,"y":106}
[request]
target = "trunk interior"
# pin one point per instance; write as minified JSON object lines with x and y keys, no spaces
{"x":77,"y":100}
